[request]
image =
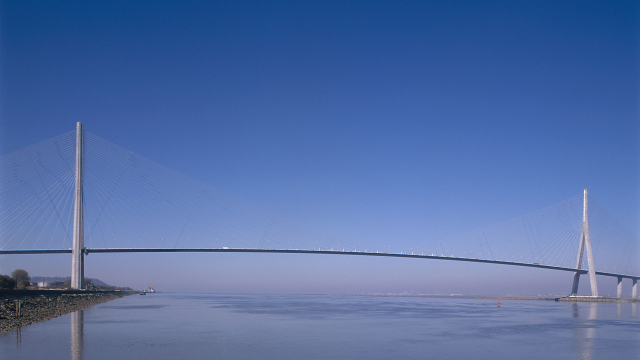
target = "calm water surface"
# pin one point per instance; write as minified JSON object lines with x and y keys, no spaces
{"x":199,"y":326}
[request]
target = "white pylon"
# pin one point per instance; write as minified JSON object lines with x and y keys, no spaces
{"x":77,"y":256}
{"x":585,"y":241}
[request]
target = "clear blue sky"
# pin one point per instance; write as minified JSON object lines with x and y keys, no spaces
{"x":369,"y":120}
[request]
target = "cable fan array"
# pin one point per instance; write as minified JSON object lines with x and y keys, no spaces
{"x":36,"y":195}
{"x":133,"y":202}
{"x":548,"y":236}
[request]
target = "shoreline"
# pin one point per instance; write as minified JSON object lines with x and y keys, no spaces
{"x":20,"y":308}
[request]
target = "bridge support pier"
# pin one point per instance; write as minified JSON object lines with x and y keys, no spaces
{"x":576,"y":282}
{"x":77,"y":254}
{"x":619,"y":287}
{"x":634,"y":292}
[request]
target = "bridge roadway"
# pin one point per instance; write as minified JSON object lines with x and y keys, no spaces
{"x":327,"y":252}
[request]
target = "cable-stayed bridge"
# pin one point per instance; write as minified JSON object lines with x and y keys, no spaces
{"x":80,"y":194}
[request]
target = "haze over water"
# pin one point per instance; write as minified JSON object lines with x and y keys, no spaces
{"x":170,"y":326}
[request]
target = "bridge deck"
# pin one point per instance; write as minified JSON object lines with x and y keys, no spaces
{"x":327,"y":252}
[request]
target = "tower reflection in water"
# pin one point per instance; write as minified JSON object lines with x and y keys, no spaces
{"x":586,"y":334}
{"x":18,"y":337}
{"x":77,"y":325}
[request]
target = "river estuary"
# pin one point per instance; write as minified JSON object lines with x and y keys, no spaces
{"x":203,"y":326}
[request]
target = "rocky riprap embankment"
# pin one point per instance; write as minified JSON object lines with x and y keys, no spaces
{"x":35,"y":306}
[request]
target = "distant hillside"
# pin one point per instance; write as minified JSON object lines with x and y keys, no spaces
{"x":62,"y":279}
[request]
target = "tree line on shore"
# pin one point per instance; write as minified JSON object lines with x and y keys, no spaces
{"x":20,"y":279}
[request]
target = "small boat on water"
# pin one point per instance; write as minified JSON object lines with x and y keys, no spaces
{"x":143,"y":293}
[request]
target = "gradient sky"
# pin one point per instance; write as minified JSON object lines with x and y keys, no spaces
{"x":375,"y":121}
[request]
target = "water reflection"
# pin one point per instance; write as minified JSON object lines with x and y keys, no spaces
{"x":634,"y":309}
{"x":77,"y":326}
{"x":18,"y":337}
{"x":336,"y":327}
{"x":619,"y":310}
{"x":586,"y":334}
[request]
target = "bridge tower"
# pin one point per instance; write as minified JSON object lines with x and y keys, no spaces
{"x":77,"y":256}
{"x":585,"y":240}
